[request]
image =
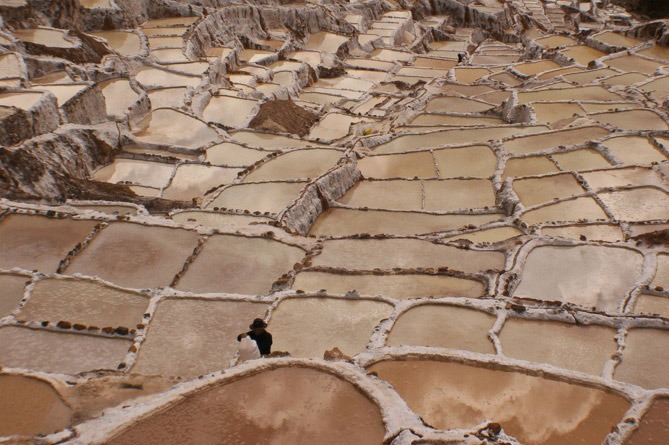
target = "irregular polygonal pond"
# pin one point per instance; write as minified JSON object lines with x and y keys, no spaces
{"x":646,"y":351}
{"x":284,"y":405}
{"x":639,"y":204}
{"x":179,"y":342}
{"x":393,"y":286}
{"x":342,"y":222}
{"x":146,"y":173}
{"x":31,"y":406}
{"x":570,"y":210}
{"x":405,"y":253}
{"x":193,"y":180}
{"x":329,"y":322}
{"x":584,"y":275}
{"x":304,"y":164}
{"x":452,"y":395}
{"x":444,"y":326}
{"x":264,"y":197}
{"x":84,"y":302}
{"x":236,"y":264}
{"x":654,"y":425}
{"x":64,"y":353}
{"x":11,"y":292}
{"x":571,"y":346}
{"x":136,"y":256}
{"x":533,"y":191}
{"x":171,"y":127}
{"x":33,"y":242}
{"x":409,"y":165}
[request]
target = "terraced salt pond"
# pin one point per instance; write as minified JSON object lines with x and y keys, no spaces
{"x":309,"y":405}
{"x":588,"y":275}
{"x":346,"y":324}
{"x":31,"y":406}
{"x":393,"y":286}
{"x":452,"y":395}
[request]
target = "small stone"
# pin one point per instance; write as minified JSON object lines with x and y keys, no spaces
{"x":64,"y":325}
{"x":121,"y":330}
{"x":78,"y":327}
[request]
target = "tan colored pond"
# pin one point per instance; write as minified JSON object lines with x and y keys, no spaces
{"x":169,"y":55}
{"x":625,"y":79}
{"x":409,"y":165}
{"x":650,"y":304}
{"x":59,"y":352}
{"x":404,"y":253}
{"x":655,"y":51}
{"x":268,"y":140}
{"x":235,"y":264}
{"x":591,"y":93}
{"x":589,"y":76}
{"x":389,"y":55}
{"x":398,"y":195}
{"x":582,"y":54}
{"x":167,"y":351}
{"x":534,"y":165}
{"x":84,"y":302}
{"x":634,"y":64}
{"x":50,"y":37}
{"x":547,"y":141}
{"x":579,"y":347}
{"x":31,"y":406}
{"x":615,"y":39}
{"x":152,"y":78}
{"x":444,"y":326}
{"x":533,"y":191}
{"x":297,"y":164}
{"x":217,"y":220}
{"x":166,"y":42}
{"x":34,"y":242}
{"x":555,"y":41}
{"x":11,"y":292}
{"x":167,"y":97}
{"x":150,"y":174}
{"x":534,"y":68}
{"x":477,"y":161}
{"x":581,"y":160}
{"x":231,"y":154}
{"x":621,"y":177}
{"x":457,"y":194}
{"x":598,"y":232}
{"x":171,"y":127}
{"x":445,"y":119}
{"x":119,"y":96}
{"x":126,"y":43}
{"x":285,"y":405}
{"x":343,"y":222}
{"x":452,"y":395}
{"x":449,"y":104}
{"x":654,"y":425}
{"x":646,"y":351}
{"x":451,"y":137}
{"x":393,"y":286}
{"x":584,"y":275}
{"x":62,"y":92}
{"x":333,"y":126}
{"x":231,"y":112}
{"x":632,"y":120}
{"x":136,"y":256}
{"x":266,"y":197}
{"x":487,"y":235}
{"x":549,"y":113}
{"x":637,"y":204}
{"x":470,"y":75}
{"x":193,"y":180}
{"x":330,"y":322}
{"x":169,"y":22}
{"x":325,"y":41}
{"x":571,"y":210}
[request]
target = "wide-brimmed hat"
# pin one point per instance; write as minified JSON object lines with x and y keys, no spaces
{"x":258,"y":324}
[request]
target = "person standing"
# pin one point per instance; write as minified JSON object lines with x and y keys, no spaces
{"x":258,"y":333}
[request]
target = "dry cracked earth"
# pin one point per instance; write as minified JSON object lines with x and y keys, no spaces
{"x":453,"y":215}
